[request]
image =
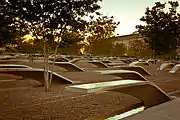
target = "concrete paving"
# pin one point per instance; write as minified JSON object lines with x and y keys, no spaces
{"x":165,"y":111}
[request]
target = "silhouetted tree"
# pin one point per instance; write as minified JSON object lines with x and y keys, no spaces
{"x":102,"y":47}
{"x":119,"y":49}
{"x":47,"y":20}
{"x":100,"y":30}
{"x":9,"y":34}
{"x":161,"y":29}
{"x":71,"y":42}
{"x":139,"y":48}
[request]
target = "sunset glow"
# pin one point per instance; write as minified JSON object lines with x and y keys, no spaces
{"x":128,"y":12}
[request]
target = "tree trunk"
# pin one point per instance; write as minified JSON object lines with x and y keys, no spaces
{"x":55,"y":53}
{"x":32,"y":55}
{"x":54,"y":60}
{"x":47,"y":69}
{"x":46,"y":79}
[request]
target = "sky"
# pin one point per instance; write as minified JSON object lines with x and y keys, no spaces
{"x":128,"y":12}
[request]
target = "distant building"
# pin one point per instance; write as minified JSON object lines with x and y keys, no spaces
{"x":127,"y":39}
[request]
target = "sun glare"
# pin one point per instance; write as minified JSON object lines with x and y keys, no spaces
{"x":27,"y":38}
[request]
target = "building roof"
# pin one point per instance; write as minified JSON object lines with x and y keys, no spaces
{"x":127,"y":37}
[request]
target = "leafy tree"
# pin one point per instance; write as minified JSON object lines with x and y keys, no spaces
{"x":25,"y":47}
{"x":48,"y":20}
{"x":100,"y":30}
{"x":102,"y":47}
{"x":139,"y":48}
{"x":8,"y":32}
{"x":30,"y":46}
{"x":71,"y":43}
{"x":162,"y":29}
{"x":4,"y":22}
{"x":119,"y":49}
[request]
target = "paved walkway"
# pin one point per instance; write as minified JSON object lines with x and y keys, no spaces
{"x":165,"y":111}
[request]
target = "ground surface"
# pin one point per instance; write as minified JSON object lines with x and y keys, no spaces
{"x":24,"y":99}
{"x":168,"y":82}
{"x":165,"y":111}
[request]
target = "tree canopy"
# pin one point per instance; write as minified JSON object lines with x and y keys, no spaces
{"x":119,"y":49}
{"x":101,"y":30}
{"x":47,"y":19}
{"x":71,"y":43}
{"x":8,"y":32}
{"x":162,"y":27}
{"x":58,"y":23}
{"x":139,"y":48}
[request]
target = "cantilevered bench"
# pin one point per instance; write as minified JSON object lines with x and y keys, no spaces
{"x":60,"y":77}
{"x":125,"y":60}
{"x":175,"y":69}
{"x":145,"y":91}
{"x":151,"y":61}
{"x":69,"y":66}
{"x":139,"y":64}
{"x":99,"y":64}
{"x":102,"y":66}
{"x":124,"y":74}
{"x":13,"y":66}
{"x":166,"y":66}
{"x":36,"y":74}
{"x":116,"y":64}
{"x":138,"y":69}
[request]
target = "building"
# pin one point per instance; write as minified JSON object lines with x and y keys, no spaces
{"x":127,"y":39}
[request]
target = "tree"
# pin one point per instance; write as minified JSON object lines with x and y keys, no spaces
{"x":48,"y":20}
{"x":102,"y":47}
{"x":8,"y":32}
{"x":71,"y":42}
{"x":139,"y":48}
{"x":101,"y":30}
{"x":29,"y":46}
{"x":162,"y":29}
{"x":119,"y":49}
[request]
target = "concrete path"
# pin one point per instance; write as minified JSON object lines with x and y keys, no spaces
{"x":165,"y":111}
